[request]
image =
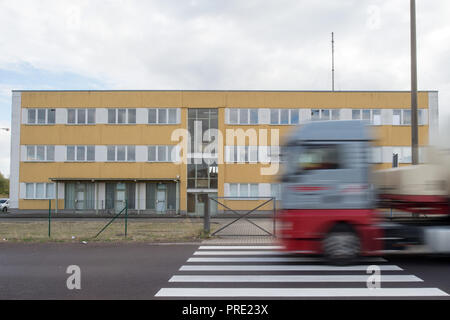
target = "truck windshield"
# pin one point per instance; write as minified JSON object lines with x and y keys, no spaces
{"x":318,"y":157}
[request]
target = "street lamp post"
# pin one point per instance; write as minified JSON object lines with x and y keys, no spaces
{"x":414,"y":124}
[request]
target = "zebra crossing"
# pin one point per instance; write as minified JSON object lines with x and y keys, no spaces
{"x":266,"y":272}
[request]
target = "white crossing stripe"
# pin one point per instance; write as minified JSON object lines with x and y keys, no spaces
{"x":239,"y":253}
{"x":284,"y":268}
{"x":272,"y":259}
{"x":300,"y":292}
{"x":240,"y":247}
{"x":296,"y":278}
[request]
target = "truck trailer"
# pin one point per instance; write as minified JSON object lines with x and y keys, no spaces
{"x":334,"y":204}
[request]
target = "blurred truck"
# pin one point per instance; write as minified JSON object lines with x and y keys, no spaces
{"x":333,"y":203}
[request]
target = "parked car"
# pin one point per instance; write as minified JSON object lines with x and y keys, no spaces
{"x":4,"y":205}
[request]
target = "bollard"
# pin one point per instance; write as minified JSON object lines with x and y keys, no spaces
{"x":206,"y":218}
{"x":49,"y":217}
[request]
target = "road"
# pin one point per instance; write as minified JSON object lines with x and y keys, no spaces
{"x":193,"y":271}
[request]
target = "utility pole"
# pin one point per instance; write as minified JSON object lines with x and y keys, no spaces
{"x":414,"y":124}
{"x":332,"y":61}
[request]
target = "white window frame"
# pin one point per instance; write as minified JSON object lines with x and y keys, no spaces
{"x":166,"y":110}
{"x":46,"y":152}
{"x":77,"y":116}
{"x":289,"y":123}
{"x":168,"y":151}
{"x":116,"y":116}
{"x":240,"y":187}
{"x":36,"y":117}
{"x":127,"y":152}
{"x":239,"y":120}
{"x":34,"y":196}
{"x":75,"y":153}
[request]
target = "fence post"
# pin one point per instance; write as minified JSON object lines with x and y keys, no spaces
{"x":126,"y":217}
{"x":49,"y":217}
{"x":206,"y":217}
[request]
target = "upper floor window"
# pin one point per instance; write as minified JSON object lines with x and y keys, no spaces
{"x":80,"y":153}
{"x":41,"y":116}
{"x":121,"y":153}
{"x":325,"y":114}
{"x":162,"y":154}
{"x":372,"y":115}
{"x":40,"y":153}
{"x":121,"y":116}
{"x":243,"y":116}
{"x":81,"y":116}
{"x":284,"y":116}
{"x":163,"y":116}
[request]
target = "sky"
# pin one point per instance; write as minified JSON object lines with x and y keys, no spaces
{"x":218,"y":44}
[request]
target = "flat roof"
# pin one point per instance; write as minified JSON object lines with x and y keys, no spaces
{"x":180,"y":90}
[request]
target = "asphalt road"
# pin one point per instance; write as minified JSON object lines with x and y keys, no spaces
{"x":143,"y":271}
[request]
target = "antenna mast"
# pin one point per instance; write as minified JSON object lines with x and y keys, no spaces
{"x":332,"y":61}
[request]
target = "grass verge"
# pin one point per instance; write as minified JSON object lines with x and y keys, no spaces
{"x":74,"y":231}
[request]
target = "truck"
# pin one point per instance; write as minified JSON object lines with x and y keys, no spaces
{"x":334,"y":204}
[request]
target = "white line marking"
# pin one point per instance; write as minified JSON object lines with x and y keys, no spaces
{"x":284,"y":268}
{"x":239,"y":253}
{"x":300,"y":292}
{"x":240,"y":247}
{"x":272,"y":259}
{"x":281,"y":278}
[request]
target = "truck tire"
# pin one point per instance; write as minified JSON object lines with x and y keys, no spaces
{"x":341,"y":246}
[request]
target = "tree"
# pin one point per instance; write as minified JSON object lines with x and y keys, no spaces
{"x":4,"y":185}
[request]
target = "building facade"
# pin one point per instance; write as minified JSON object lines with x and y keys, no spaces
{"x":165,"y":152}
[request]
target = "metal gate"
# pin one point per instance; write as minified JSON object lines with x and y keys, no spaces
{"x":240,"y":224}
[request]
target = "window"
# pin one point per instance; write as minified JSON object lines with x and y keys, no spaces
{"x":163,"y":116}
{"x":323,"y":114}
{"x":335,"y":114}
{"x":81,"y":116}
{"x":80,"y":153}
{"x":40,"y":153}
{"x":252,"y":154}
{"x":275,"y":191}
{"x":121,"y":153}
{"x":162,"y":154}
{"x":318,"y":157}
{"x":202,"y":175}
{"x":121,"y":116}
{"x":244,"y":190}
{"x":284,"y":116}
{"x":403,"y":117}
{"x":41,"y":116}
{"x":39,"y":190}
{"x":243,"y":116}
{"x":371,"y":115}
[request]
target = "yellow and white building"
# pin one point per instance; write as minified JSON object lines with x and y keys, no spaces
{"x":89,"y":151}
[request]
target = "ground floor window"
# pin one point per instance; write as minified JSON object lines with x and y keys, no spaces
{"x":161,"y":197}
{"x":79,"y":196}
{"x":117,"y":194}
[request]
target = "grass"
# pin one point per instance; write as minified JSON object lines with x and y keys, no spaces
{"x":75,"y":231}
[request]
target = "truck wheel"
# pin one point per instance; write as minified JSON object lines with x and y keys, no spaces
{"x":341,"y":245}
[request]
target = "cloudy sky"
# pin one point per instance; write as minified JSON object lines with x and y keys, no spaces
{"x":218,"y":44}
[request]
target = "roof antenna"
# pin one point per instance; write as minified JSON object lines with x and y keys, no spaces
{"x":332,"y":61}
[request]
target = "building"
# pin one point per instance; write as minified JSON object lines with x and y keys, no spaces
{"x":92,"y":150}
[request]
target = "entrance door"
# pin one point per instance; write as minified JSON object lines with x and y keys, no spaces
{"x":161,"y":201}
{"x":79,"y":197}
{"x":120,"y":197}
